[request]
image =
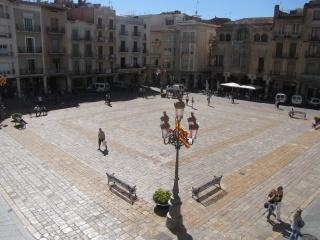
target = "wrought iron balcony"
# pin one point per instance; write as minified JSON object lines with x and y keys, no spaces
{"x":136,"y":34}
{"x":26,"y":50}
{"x":314,"y":38}
{"x":57,"y":51}
{"x":23,"y":28}
{"x":312,"y":54}
{"x":100,"y":26}
{"x":55,"y":30}
{"x":136,"y":50}
{"x":31,"y":71}
{"x":4,"y":15}
{"x":111,"y":27}
{"x":6,"y":54}
{"x":5,"y":35}
{"x":7,"y":72}
{"x":123,"y":49}
{"x":101,"y":39}
{"x":123,"y":33}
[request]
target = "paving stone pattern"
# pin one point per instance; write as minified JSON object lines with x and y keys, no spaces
{"x":53,"y":177}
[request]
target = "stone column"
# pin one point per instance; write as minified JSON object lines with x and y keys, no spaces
{"x":45,"y":85}
{"x":195,"y":81}
{"x":69,"y":84}
{"x":298,"y":87}
{"x":18,"y":87}
{"x":266,"y":89}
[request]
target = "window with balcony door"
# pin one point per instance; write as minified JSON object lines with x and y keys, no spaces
{"x":99,"y":34}
{"x":242,"y":35}
{"x":135,"y":62}
{"x":218,"y":61}
{"x":122,"y":29}
{"x":99,"y":21}
{"x":291,"y":69}
{"x":100,"y":52}
{"x":74,"y":34}
{"x":277,"y":68}
{"x":314,"y":50}
{"x":279,"y":48}
{"x":88,"y":66}
{"x":54,"y":22}
{"x":110,"y":23}
{"x":316,"y":14}
{"x":3,"y":49}
{"x":135,"y":46}
{"x":76,"y":66}
{"x":315,"y":33}
{"x":135,"y":30}
{"x":111,"y":50}
{"x":123,"y":46}
{"x":88,"y":35}
{"x":110,"y":36}
{"x":292,"y":50}
{"x":28,"y":24}
{"x":75,"y":50}
{"x":88,"y":50}
{"x":123,"y":62}
{"x":56,"y":64}
{"x":260,"y":65}
{"x":30,"y":45}
{"x":295,"y":28}
{"x":31,"y":65}
{"x":55,"y":45}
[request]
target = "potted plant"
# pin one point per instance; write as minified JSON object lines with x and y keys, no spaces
{"x":161,"y":197}
{"x":14,"y":116}
{"x":316,"y":121}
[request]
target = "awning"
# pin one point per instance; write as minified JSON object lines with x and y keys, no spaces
{"x":231,"y":84}
{"x":236,"y":85}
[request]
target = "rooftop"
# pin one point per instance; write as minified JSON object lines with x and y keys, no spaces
{"x":253,"y":21}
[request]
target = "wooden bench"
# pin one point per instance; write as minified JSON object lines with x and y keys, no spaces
{"x":294,"y":113}
{"x":20,"y":122}
{"x":120,"y":186}
{"x":215,"y":182}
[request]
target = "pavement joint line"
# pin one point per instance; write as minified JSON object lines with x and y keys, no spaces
{"x":16,"y":210}
{"x":305,"y":204}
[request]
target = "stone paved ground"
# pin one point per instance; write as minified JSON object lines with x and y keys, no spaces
{"x":54,"y":179}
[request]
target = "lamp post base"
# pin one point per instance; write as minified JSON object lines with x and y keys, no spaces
{"x":174,"y":218}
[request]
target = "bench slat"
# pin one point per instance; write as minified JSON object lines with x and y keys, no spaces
{"x":196,"y":191}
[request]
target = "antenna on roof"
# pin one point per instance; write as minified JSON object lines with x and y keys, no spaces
{"x":110,"y":4}
{"x":197,"y":5}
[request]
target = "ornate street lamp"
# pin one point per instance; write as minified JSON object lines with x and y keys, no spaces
{"x":177,"y":137}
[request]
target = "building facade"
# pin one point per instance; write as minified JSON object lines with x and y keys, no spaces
{"x":130,"y":47}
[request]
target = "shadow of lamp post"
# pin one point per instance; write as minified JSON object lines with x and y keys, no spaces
{"x":177,"y":137}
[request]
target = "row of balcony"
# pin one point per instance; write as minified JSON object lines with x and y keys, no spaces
{"x":7,"y":72}
{"x":37,"y":71}
{"x":126,"y":33}
{"x":103,"y":39}
{"x":4,"y":15}
{"x":293,"y":35}
{"x":6,"y":54}
{"x":32,"y":28}
{"x":134,"y":50}
{"x":103,"y":26}
{"x":5,"y":35}
{"x":285,"y":55}
{"x":32,"y":50}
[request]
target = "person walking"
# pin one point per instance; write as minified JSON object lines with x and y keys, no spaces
{"x":271,"y":203}
{"x":101,"y":137}
{"x":187,"y":100}
{"x":208,"y":99}
{"x":296,"y":226}
{"x":278,"y":202}
{"x":40,"y":100}
{"x":192,"y":102}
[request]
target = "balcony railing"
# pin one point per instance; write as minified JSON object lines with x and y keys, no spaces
{"x":23,"y":28}
{"x":36,"y":50}
{"x":4,"y":15}
{"x":123,"y":33}
{"x":76,"y":55}
{"x":6,"y":54}
{"x":136,"y":50}
{"x":123,"y":49}
{"x":5,"y":35}
{"x":55,"y":30}
{"x":78,"y":38}
{"x":88,"y":54}
{"x":125,"y":66}
{"x":31,"y":71}
{"x":100,"y":26}
{"x":56,"y":71}
{"x":313,"y":37}
{"x":101,"y":39}
{"x":101,"y":56}
{"x":57,"y":51}
{"x":111,"y":27}
{"x":312,"y":55}
{"x":136,"y":34}
{"x":7,"y":72}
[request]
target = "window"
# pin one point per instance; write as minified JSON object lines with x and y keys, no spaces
{"x":218,"y":61}
{"x":135,"y":62}
{"x":88,"y":50}
{"x":260,"y":65}
{"x":56,"y":64}
{"x":221,"y":37}
{"x":314,"y":50}
{"x":88,"y":35}
{"x":110,"y":23}
{"x":31,"y":65}
{"x":88,"y":67}
{"x":295,"y":28}
{"x":228,"y":37}
{"x":55,"y":44}
{"x":257,"y":37}
{"x":277,"y":68}
{"x":99,"y":21}
{"x":135,"y":46}
{"x":316,"y":14}
{"x":279,"y":50}
{"x":242,"y":35}
{"x":156,"y":62}
{"x":281,"y":29}
{"x":110,"y":36}
{"x":315,"y":33}
{"x":74,"y":34}
{"x":28,"y":25}
{"x":75,"y":50}
{"x":291,"y":68}
{"x":169,"y":21}
{"x":99,"y":34}
{"x":123,"y":29}
{"x":110,"y":50}
{"x":100,"y":52}
{"x":3,"y":49}
{"x":30,"y":45}
{"x":54,"y":22}
{"x":100,"y":66}
{"x":264,"y":38}
{"x":76,"y":66}
{"x":123,"y":62}
{"x":192,"y":36}
{"x":292,"y":50}
{"x":123,"y":46}
{"x":135,"y":30}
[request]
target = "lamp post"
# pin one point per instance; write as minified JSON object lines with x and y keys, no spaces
{"x":177,"y":137}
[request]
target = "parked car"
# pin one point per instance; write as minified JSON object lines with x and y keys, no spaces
{"x":296,"y":99}
{"x":315,"y":102}
{"x":281,"y":97}
{"x":99,"y":87}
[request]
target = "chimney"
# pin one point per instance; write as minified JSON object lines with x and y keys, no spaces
{"x":276,"y":10}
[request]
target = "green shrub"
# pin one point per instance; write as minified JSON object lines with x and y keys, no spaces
{"x":16,"y":115}
{"x":317,"y":118}
{"x":161,"y":196}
